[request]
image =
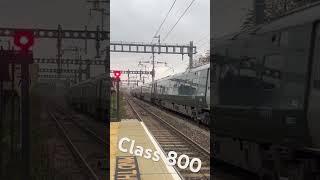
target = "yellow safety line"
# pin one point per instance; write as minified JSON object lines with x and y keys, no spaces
{"x":114,"y":130}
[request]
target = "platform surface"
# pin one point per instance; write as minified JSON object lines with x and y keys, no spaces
{"x":125,"y":165}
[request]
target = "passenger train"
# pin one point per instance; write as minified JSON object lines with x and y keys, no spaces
{"x":92,"y":96}
{"x":266,"y":97}
{"x":187,"y":93}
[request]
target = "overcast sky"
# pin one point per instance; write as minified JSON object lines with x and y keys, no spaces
{"x":131,"y":20}
{"x":138,"y":20}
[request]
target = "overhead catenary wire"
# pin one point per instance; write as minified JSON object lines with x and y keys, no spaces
{"x":163,"y":21}
{"x":158,"y":30}
{"x":204,"y":43}
{"x":185,"y":11}
{"x":202,"y":39}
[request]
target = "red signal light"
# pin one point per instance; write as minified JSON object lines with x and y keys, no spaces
{"x":117,"y":74}
{"x":24,"y":39}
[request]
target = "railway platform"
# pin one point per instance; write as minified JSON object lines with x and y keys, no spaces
{"x":135,"y":154}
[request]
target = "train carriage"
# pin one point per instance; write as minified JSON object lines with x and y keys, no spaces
{"x":91,"y":97}
{"x":266,"y":97}
{"x":187,"y":93}
{"x":146,"y":92}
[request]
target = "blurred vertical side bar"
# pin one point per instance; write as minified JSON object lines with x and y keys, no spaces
{"x":107,"y":70}
{"x":259,"y":6}
{"x":211,"y":83}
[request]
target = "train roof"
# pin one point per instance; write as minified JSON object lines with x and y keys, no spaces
{"x":206,"y":66}
{"x":299,"y":16}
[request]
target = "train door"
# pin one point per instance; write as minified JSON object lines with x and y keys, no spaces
{"x":314,"y":96}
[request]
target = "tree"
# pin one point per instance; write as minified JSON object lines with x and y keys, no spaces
{"x":202,"y":60}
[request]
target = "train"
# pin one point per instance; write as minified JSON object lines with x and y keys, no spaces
{"x":187,"y":93}
{"x":91,"y":97}
{"x":266,"y":97}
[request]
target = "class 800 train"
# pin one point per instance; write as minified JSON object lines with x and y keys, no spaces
{"x":266,"y":97}
{"x":92,"y":97}
{"x":187,"y":93}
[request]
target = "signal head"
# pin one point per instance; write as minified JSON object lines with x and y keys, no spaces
{"x":24,"y":39}
{"x":117,"y":74}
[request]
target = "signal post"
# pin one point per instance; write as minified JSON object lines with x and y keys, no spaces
{"x":117,"y":75}
{"x":23,"y":40}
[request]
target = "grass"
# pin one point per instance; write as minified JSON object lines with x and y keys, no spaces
{"x":113,"y":107}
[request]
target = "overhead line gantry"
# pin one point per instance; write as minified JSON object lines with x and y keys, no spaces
{"x":139,"y":72}
{"x":60,"y":34}
{"x":136,"y":47}
{"x":70,"y":61}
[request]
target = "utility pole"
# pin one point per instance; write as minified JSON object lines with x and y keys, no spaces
{"x":191,"y":55}
{"x":59,"y":46}
{"x":99,"y":8}
{"x":128,"y":76}
{"x":118,"y":99}
{"x":85,"y":41}
{"x":80,"y":73}
{"x":88,"y":71}
{"x":153,"y":70}
{"x":117,"y":75}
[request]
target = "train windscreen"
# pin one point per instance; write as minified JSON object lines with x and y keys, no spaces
{"x":241,"y":85}
{"x":275,"y":82}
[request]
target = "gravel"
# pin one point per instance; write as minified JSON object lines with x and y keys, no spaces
{"x":197,"y":134}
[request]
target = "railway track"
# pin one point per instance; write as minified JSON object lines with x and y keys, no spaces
{"x":88,"y":148}
{"x":171,"y":139}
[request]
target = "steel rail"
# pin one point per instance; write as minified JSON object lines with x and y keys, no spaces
{"x":74,"y":149}
{"x":171,"y":129}
{"x":196,"y":145}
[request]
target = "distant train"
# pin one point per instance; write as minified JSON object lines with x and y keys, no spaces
{"x":92,"y":97}
{"x":266,"y":98}
{"x":187,"y":93}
